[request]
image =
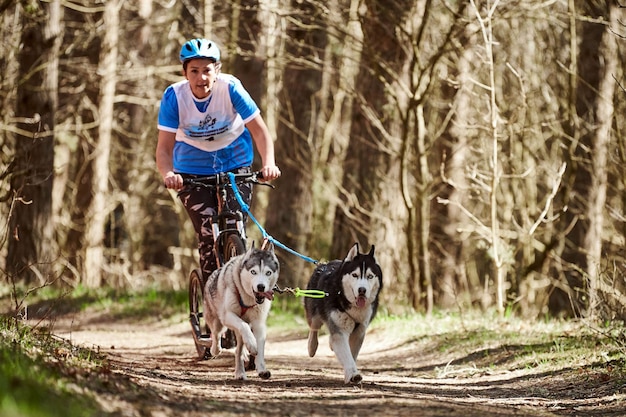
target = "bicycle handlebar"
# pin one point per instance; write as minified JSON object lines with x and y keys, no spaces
{"x":222,"y":179}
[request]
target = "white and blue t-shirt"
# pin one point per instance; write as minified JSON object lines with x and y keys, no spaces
{"x":211,"y":136}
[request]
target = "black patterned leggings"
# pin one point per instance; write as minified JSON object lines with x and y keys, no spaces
{"x":201,"y":203}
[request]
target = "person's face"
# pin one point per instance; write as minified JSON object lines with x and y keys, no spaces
{"x":201,"y":73}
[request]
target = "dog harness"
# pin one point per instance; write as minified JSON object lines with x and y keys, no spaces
{"x":244,"y":307}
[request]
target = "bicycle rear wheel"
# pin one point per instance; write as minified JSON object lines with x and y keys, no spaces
{"x":199,"y":328}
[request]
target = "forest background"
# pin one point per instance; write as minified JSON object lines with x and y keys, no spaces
{"x":477,"y":144}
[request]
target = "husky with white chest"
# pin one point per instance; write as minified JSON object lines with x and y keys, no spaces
{"x":238,"y":296}
{"x":352,"y":287}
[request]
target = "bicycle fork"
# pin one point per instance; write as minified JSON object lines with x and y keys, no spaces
{"x":220,"y":233}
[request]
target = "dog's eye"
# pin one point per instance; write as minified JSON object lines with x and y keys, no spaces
{"x":253,"y":272}
{"x":355,"y":275}
{"x":370,"y":276}
{"x":268,"y":273}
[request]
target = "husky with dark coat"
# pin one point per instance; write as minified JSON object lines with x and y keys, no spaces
{"x":352,"y":288}
{"x":238,"y":296}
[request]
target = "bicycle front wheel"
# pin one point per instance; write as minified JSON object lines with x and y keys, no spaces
{"x":199,"y":328}
{"x":233,"y":246}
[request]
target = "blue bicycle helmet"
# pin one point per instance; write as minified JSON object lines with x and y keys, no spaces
{"x":199,"y":48}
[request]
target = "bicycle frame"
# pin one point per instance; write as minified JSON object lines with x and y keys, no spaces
{"x":229,"y":236}
{"x":225,"y":222}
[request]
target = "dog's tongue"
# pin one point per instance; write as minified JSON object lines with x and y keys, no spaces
{"x":360,"y":301}
{"x":268,"y":294}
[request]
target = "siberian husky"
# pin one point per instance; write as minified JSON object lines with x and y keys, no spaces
{"x":238,"y":296}
{"x":352,"y":287}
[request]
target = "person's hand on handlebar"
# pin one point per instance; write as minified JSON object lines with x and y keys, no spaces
{"x":173,"y":181}
{"x":269,"y":172}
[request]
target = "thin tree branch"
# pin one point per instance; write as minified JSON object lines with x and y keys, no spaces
{"x":555,"y":189}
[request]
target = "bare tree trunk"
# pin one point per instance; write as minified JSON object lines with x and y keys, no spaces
{"x":134,"y":170}
{"x":291,"y":223}
{"x":272,"y":49}
{"x":371,"y":207}
{"x":453,"y":280}
{"x":208,"y":19}
{"x":599,"y":158}
{"x":571,"y":295}
{"x":32,"y":247}
{"x":339,"y":73}
{"x":10,"y":31}
{"x":497,"y":244}
{"x":98,"y":209}
{"x":423,"y":215}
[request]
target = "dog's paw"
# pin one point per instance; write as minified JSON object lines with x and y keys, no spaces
{"x":265,"y":374}
{"x":215,"y":351}
{"x":240,"y":376}
{"x":354,"y":379}
{"x":252,"y":349}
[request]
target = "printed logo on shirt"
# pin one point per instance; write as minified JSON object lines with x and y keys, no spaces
{"x":208,"y":122}
{"x":206,"y":129}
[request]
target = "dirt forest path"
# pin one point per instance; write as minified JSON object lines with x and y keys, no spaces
{"x":401,"y":378}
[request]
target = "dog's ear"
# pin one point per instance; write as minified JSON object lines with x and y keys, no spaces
{"x":354,"y":251}
{"x":371,"y":251}
{"x":248,"y":252}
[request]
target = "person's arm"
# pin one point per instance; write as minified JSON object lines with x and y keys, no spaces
{"x":265,"y":146}
{"x":164,"y":154}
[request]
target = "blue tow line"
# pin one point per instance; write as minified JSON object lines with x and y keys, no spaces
{"x":266,"y":236}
